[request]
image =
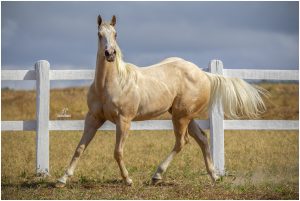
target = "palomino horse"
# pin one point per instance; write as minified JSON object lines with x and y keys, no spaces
{"x":122,"y":92}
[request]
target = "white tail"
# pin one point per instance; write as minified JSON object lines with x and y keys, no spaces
{"x":239,"y":99}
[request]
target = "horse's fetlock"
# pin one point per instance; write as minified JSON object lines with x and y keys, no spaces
{"x":69,"y":173}
{"x":161,"y":169}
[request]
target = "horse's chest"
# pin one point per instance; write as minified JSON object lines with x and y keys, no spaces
{"x":104,"y":107}
{"x":113,"y":108}
{"x":110,"y":111}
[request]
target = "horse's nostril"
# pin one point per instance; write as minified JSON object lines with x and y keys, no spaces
{"x":106,"y":53}
{"x":115,"y":51}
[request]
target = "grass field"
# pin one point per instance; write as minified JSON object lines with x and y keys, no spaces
{"x":259,"y":164}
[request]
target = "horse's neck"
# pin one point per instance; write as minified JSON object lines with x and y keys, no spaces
{"x":106,"y":72}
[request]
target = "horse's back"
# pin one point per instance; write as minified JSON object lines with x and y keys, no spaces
{"x":176,"y":83}
{"x":192,"y":87}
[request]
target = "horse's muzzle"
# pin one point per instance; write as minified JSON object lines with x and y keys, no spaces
{"x":110,"y":56}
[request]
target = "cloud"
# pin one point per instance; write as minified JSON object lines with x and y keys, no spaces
{"x":9,"y":31}
{"x":242,"y":34}
{"x":244,"y":48}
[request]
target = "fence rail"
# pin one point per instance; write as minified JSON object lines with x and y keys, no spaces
{"x":73,"y":125}
{"x":216,"y":123}
{"x":250,"y":74}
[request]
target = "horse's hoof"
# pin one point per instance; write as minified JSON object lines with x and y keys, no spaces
{"x":216,"y":179}
{"x":128,"y":182}
{"x":60,"y":184}
{"x":156,"y":181}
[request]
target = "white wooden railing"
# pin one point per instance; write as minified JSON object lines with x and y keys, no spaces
{"x":42,"y":74}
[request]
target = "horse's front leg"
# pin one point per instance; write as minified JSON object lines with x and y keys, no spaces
{"x":91,"y":125}
{"x":122,"y":132}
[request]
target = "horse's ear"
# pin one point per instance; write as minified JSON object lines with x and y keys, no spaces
{"x":113,"y":20}
{"x":99,"y":20}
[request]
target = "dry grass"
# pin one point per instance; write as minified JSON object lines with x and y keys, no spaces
{"x":260,"y":164}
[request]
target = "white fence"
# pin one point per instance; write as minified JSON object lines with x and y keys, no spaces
{"x":42,"y":74}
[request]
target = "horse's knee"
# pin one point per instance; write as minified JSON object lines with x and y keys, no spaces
{"x":179,"y":145}
{"x":178,"y":148}
{"x":118,"y":155}
{"x":186,"y":139}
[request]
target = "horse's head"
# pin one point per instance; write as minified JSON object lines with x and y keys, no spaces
{"x":107,"y":38}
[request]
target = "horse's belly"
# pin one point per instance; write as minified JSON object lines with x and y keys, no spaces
{"x":156,"y":98}
{"x":152,"y":109}
{"x":150,"y":115}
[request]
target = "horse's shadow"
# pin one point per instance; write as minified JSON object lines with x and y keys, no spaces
{"x":92,"y":184}
{"x":160,"y":184}
{"x":35,"y":184}
{"x":30,"y":184}
{"x":87,"y":184}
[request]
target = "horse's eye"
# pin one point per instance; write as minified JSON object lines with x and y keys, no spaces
{"x":115,"y":35}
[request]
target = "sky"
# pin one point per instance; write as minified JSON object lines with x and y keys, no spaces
{"x":252,"y":35}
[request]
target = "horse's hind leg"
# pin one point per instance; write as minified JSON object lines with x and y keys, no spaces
{"x":199,"y":135}
{"x":180,"y":130}
{"x":91,"y":125}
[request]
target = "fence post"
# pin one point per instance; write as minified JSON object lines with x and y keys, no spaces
{"x":42,"y":68}
{"x":217,"y":126}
